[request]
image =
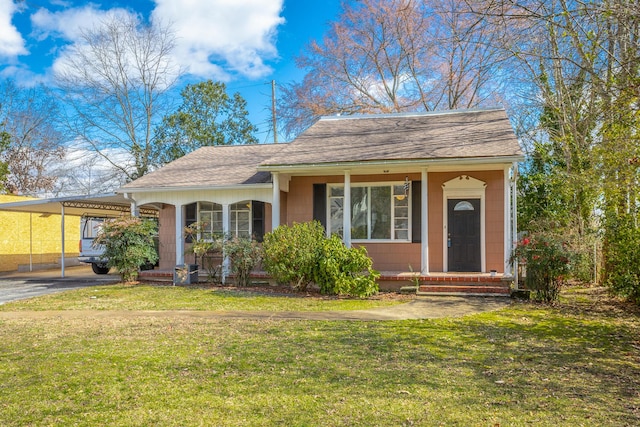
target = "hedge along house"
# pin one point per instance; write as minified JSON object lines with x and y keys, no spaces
{"x":432,"y":193}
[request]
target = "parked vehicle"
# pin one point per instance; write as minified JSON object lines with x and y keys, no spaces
{"x":89,"y":252}
{"x":93,"y":254}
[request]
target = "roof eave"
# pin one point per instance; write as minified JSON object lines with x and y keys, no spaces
{"x":414,"y":162}
{"x":124,"y":190}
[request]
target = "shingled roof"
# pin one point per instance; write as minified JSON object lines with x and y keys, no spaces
{"x":416,"y":136}
{"x":220,"y":166}
{"x":462,"y":134}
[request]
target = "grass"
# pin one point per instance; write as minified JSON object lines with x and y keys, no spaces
{"x":577,"y":363}
{"x":155,"y":297}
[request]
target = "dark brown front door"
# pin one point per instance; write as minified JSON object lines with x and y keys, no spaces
{"x":463,"y":239}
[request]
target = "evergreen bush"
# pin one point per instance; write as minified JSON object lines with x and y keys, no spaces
{"x":547,"y":263}
{"x":128,"y":243}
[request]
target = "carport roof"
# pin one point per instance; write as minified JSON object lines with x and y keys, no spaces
{"x":111,"y":204}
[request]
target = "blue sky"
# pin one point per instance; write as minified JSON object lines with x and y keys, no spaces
{"x":244,"y":43}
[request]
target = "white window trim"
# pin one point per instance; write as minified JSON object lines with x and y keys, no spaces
{"x":390,"y":184}
{"x":463,"y":187}
{"x":232,"y":213}
{"x":199,"y":219}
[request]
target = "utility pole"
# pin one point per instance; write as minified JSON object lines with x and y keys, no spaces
{"x":273,"y":111}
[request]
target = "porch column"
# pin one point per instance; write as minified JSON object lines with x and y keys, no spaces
{"x":424,"y":231}
{"x":275,"y":202}
{"x":507,"y":219}
{"x":133,"y":210}
{"x":346,"y":210}
{"x":179,"y":235}
{"x":514,"y":222}
{"x":226,"y":231}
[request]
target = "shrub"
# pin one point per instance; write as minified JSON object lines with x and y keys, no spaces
{"x":128,"y":243}
{"x":244,"y":255}
{"x":206,"y":248}
{"x":291,"y":253}
{"x":547,"y":262}
{"x":301,"y":254}
{"x":345,"y":271}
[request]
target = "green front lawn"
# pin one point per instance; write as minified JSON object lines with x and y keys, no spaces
{"x":158,"y":297}
{"x":576,"y":364}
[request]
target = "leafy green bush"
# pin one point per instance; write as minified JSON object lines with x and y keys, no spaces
{"x":291,"y":253}
{"x":244,"y":255}
{"x":547,"y":262}
{"x":301,"y":254}
{"x":345,"y":271}
{"x":128,"y":243}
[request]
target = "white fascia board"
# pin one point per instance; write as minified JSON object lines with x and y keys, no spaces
{"x":193,"y":188}
{"x":466,"y":161}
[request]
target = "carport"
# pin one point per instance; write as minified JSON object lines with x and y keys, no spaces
{"x":102,"y":205}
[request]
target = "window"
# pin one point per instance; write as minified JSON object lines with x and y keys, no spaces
{"x":463,"y":206}
{"x":241,"y":219}
{"x":210,"y":219}
{"x":91,"y":227}
{"x":378,"y":212}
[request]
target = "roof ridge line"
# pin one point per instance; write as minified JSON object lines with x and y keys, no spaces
{"x":409,"y":114}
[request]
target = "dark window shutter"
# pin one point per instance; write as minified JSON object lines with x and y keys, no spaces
{"x":258,"y":220}
{"x":320,"y":203}
{"x":190,"y":216}
{"x":416,"y":211}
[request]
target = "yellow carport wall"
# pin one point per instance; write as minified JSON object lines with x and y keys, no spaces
{"x":33,"y":239}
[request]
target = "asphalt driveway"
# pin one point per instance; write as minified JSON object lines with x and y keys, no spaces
{"x":16,"y":286}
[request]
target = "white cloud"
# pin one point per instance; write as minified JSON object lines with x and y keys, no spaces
{"x":216,"y":39}
{"x":220,"y":38}
{"x":69,"y":24}
{"x":11,"y":41}
{"x":22,"y":75}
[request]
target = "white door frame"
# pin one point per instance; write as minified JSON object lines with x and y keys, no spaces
{"x":463,"y":187}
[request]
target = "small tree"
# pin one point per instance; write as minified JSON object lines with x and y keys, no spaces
{"x":128,"y":243}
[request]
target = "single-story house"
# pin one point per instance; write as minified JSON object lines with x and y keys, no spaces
{"x":432,"y":193}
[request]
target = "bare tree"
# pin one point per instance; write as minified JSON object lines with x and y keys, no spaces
{"x":393,"y":56}
{"x":28,"y":118}
{"x":113,"y":82}
{"x":85,"y":172}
